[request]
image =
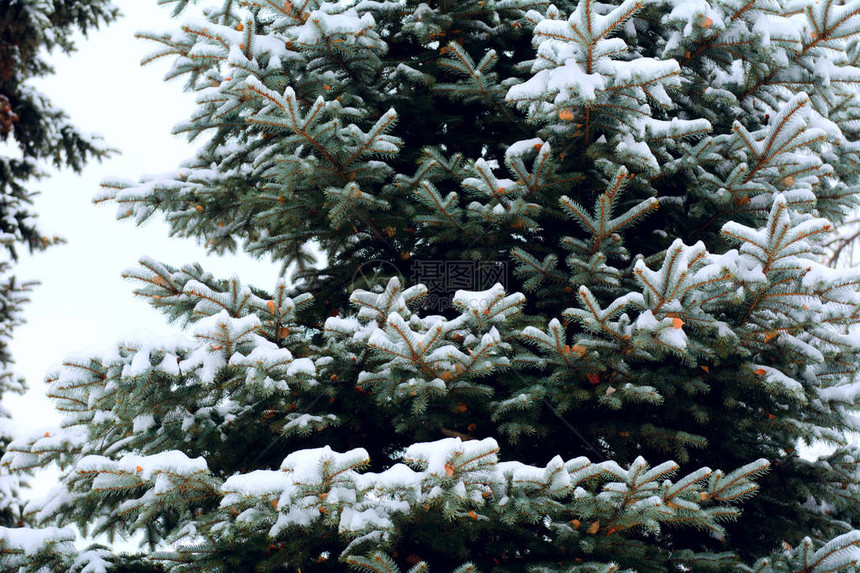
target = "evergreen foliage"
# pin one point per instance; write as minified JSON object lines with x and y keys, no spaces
{"x":661,"y":176}
{"x":34,"y":134}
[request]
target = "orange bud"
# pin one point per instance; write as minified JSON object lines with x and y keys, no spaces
{"x":706,"y":23}
{"x":447,"y":376}
{"x":566,"y":115}
{"x":240,"y":26}
{"x":139,"y":469}
{"x":215,"y":346}
{"x":814,"y":35}
{"x":761,"y":371}
{"x":284,"y":332}
{"x":592,"y":529}
{"x":706,"y":369}
{"x":241,"y":46}
{"x":333,"y":378}
{"x":199,"y":208}
{"x":594,"y":377}
{"x":271,"y":306}
{"x":473,"y":515}
{"x":460,"y":408}
{"x":677,"y":323}
{"x":703,"y":496}
{"x":326,"y":87}
{"x":575,"y":523}
{"x":768,"y":336}
{"x":47,"y":434}
{"x":788,"y":180}
{"x":449,"y":469}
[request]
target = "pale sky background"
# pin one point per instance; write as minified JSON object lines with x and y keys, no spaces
{"x":83,"y":302}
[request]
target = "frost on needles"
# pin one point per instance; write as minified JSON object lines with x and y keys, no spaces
{"x":658,"y":178}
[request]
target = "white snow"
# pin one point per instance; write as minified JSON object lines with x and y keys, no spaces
{"x":34,"y":541}
{"x":524,"y":147}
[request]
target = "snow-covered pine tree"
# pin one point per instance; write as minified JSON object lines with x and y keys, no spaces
{"x":659,"y":175}
{"x":34,"y":133}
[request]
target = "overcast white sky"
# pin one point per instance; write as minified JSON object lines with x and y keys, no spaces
{"x":83,"y":302}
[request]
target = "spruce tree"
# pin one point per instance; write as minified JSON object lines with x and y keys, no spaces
{"x":650,"y":184}
{"x":34,"y":134}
